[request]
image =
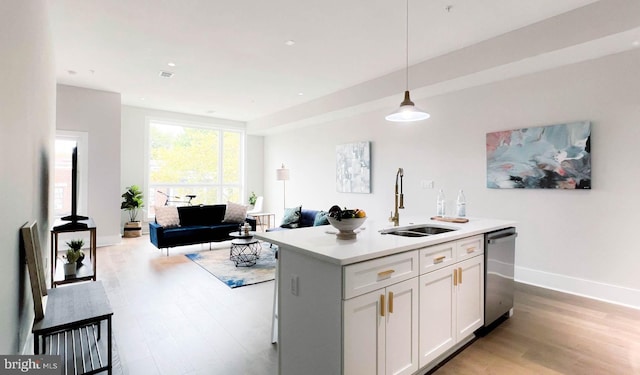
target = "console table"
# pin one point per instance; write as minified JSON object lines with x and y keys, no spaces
{"x":88,"y":270}
{"x":260,"y":219}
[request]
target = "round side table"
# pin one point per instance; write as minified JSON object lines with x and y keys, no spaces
{"x":245,"y":250}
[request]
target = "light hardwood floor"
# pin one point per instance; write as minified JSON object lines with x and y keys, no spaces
{"x":555,"y":333}
{"x":173,"y":317}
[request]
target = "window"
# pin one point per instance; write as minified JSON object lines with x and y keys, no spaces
{"x":64,"y":144}
{"x":193,"y":160}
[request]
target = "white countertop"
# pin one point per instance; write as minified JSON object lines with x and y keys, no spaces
{"x":321,"y":242}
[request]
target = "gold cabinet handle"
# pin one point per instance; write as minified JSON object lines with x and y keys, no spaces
{"x":460,"y":275}
{"x":382,"y":305}
{"x":386,"y":273}
{"x":438,"y":259}
{"x":455,"y":277}
{"x":390,"y":302}
{"x":471,"y":249}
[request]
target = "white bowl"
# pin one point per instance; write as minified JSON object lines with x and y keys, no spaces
{"x":346,"y":227}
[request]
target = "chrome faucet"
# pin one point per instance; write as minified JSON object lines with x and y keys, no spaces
{"x":398,"y":201}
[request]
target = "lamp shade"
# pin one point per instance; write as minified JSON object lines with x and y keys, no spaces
{"x":407,"y":112}
{"x":282,"y":174}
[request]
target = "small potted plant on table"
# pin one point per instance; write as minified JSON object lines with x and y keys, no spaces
{"x":252,"y":199}
{"x":74,"y":257}
{"x":132,"y":201}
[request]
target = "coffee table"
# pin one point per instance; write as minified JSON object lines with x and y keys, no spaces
{"x":245,"y":250}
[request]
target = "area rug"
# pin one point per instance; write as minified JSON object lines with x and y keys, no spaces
{"x":217,"y":263}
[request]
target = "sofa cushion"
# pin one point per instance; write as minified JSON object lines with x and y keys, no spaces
{"x":308,"y":217}
{"x":201,"y":215}
{"x":235,"y":213}
{"x":222,"y":231}
{"x":321,"y":218}
{"x":186,"y":235}
{"x":291,"y":217}
{"x":167,"y":216}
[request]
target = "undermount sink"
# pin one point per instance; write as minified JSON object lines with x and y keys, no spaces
{"x":417,"y":230}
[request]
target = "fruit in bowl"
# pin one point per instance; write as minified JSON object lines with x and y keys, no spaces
{"x":337,"y":213}
{"x":346,"y":221}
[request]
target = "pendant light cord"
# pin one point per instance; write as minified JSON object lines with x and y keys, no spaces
{"x":407,"y":51}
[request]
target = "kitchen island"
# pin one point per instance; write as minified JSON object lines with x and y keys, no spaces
{"x":380,"y":303}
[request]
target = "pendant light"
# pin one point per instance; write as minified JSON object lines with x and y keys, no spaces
{"x":408,"y":111}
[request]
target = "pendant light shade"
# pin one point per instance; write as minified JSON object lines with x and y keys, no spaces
{"x":407,"y":112}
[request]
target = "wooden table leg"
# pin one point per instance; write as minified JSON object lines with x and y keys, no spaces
{"x":109,"y":348}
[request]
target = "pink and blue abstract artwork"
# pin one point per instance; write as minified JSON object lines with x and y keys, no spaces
{"x":545,"y":157}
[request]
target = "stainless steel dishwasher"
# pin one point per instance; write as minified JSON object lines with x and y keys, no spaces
{"x":499,"y":256}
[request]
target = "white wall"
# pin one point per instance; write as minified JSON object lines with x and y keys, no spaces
{"x":577,"y":241}
{"x":134,"y":121}
{"x":98,"y":114}
{"x":27,"y":115}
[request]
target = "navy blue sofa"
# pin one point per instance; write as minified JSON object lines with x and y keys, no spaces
{"x":198,"y":224}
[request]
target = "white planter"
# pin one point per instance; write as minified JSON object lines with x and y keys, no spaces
{"x":69,"y":269}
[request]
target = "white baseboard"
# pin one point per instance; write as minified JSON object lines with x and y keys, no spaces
{"x":586,"y":288}
{"x":108,"y":240}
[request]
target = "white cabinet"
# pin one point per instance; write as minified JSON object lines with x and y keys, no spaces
{"x":451,"y":301}
{"x":469,"y":247}
{"x":470,"y":296}
{"x":377,"y":273}
{"x":438,"y":256}
{"x":381,"y":331}
{"x":395,"y":314}
{"x":364,"y":329}
{"x":437,"y":314}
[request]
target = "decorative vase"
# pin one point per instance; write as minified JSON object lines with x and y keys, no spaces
{"x":79,"y":261}
{"x":132,"y":229}
{"x":69,"y":269}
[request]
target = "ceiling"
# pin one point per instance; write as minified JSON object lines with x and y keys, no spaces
{"x":231,"y":57}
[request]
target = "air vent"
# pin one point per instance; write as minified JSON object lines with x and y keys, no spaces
{"x":165,"y":74}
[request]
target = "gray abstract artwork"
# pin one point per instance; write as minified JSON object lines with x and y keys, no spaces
{"x":353,"y":168}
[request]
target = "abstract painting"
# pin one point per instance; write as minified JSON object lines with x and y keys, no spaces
{"x":353,"y":168}
{"x":546,"y":157}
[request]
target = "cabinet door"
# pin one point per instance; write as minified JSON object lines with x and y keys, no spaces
{"x":437,"y":311}
{"x":470,"y":297}
{"x":364,"y":334}
{"x":402,"y":328}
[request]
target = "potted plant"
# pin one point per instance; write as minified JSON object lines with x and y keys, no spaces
{"x":252,"y":199}
{"x":74,"y":257}
{"x":132,"y":202}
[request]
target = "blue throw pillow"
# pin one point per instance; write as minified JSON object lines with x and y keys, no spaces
{"x":321,"y":219}
{"x":291,"y":217}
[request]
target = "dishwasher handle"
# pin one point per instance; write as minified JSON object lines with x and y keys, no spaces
{"x":503,"y":238}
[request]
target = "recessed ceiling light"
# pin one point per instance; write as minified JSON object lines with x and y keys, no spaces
{"x":300,"y":93}
{"x":165,"y":74}
{"x":636,"y":43}
{"x":290,"y":42}
{"x":171,"y":64}
{"x":142,"y":99}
